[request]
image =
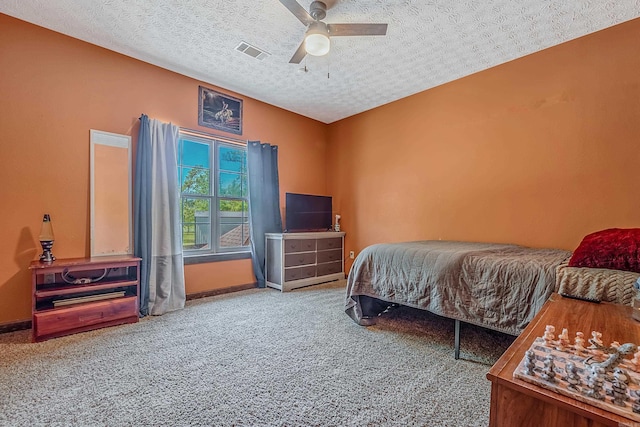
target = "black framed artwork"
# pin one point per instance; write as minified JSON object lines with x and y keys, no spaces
{"x":219,"y":111}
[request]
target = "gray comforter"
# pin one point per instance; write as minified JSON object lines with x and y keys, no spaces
{"x":498,"y":286}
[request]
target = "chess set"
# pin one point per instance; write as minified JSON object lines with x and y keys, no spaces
{"x":607,"y":377}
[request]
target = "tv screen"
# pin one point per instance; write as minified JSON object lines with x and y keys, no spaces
{"x":306,"y":212}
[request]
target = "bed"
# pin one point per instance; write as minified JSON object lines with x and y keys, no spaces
{"x":496,"y":286}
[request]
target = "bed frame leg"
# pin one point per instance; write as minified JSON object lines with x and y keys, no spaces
{"x":457,"y":340}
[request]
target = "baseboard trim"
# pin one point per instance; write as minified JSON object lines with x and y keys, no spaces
{"x":16,"y":326}
{"x":222,"y":291}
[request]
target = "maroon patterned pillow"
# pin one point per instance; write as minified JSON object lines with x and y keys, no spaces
{"x":615,"y":248}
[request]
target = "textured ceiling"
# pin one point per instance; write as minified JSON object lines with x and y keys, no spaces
{"x":428,"y":42}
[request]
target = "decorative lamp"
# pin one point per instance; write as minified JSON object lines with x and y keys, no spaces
{"x":46,"y":239}
{"x":316,"y":41}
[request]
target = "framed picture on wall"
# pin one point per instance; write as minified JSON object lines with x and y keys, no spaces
{"x":219,"y":111}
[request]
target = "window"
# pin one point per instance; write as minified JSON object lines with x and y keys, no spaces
{"x":213,"y":203}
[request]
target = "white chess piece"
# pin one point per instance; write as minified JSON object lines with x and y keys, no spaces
{"x":596,"y":343}
{"x":563,"y":340}
{"x":579,"y":342}
{"x":636,"y":362}
{"x":548,"y":334}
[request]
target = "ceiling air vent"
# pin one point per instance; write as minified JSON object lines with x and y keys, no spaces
{"x":252,"y":51}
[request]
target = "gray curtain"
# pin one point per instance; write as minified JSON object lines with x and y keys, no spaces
{"x":158,"y":238}
{"x":264,"y":201}
{"x":142,"y":209}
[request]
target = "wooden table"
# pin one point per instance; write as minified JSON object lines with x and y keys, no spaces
{"x":518,"y":403}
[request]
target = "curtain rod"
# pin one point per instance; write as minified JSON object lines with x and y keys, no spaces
{"x":213,"y":135}
{"x":196,"y":132}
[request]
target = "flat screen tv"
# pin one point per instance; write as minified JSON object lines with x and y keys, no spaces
{"x":307,"y":212}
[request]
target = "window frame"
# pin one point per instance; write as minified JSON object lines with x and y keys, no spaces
{"x":215,"y":252}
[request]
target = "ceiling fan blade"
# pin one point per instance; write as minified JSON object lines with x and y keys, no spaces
{"x":357,"y":29}
{"x":295,"y":8}
{"x":299,"y":55}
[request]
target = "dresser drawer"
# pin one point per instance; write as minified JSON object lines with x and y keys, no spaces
{"x":331,"y":243}
{"x":81,"y":315}
{"x":329,"y":268}
{"x":299,"y":245}
{"x":298,"y":273}
{"x":300,"y":258}
{"x":329,"y":256}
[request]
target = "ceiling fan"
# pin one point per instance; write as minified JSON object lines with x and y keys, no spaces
{"x":316,"y":40}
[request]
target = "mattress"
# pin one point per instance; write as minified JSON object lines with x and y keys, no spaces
{"x":498,"y":286}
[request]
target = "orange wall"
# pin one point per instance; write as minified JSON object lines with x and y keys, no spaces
{"x":54,"y":90}
{"x":539,"y":151}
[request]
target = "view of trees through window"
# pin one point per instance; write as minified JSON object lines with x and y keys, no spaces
{"x":214,"y":204}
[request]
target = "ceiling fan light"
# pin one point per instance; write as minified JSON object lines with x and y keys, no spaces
{"x":317,"y":44}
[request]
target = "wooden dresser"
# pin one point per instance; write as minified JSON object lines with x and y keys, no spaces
{"x":295,"y":260}
{"x":79,"y":294}
{"x":517,"y":403}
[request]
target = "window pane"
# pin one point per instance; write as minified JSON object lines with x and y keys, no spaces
{"x":195,"y":181}
{"x":234,"y":223}
{"x":232,"y":159}
{"x":231,"y":184}
{"x":213,"y":173}
{"x":195,"y":154}
{"x":244,"y":186}
{"x":196,"y":223}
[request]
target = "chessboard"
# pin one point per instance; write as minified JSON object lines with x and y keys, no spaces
{"x":585,"y":374}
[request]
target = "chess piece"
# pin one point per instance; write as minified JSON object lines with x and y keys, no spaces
{"x":549,"y":334}
{"x":596,"y":344}
{"x":563,"y":340}
{"x":596,"y":339}
{"x":635,"y":405}
{"x":619,"y":387}
{"x":529,"y":362}
{"x":614,"y":358}
{"x":595,"y":383}
{"x":548,"y":370}
{"x":636,"y":361}
{"x":579,"y":343}
{"x":572,"y":376}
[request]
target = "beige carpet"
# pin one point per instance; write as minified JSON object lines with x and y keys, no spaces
{"x":253,"y":358}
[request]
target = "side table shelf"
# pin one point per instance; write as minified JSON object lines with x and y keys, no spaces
{"x":80,"y":294}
